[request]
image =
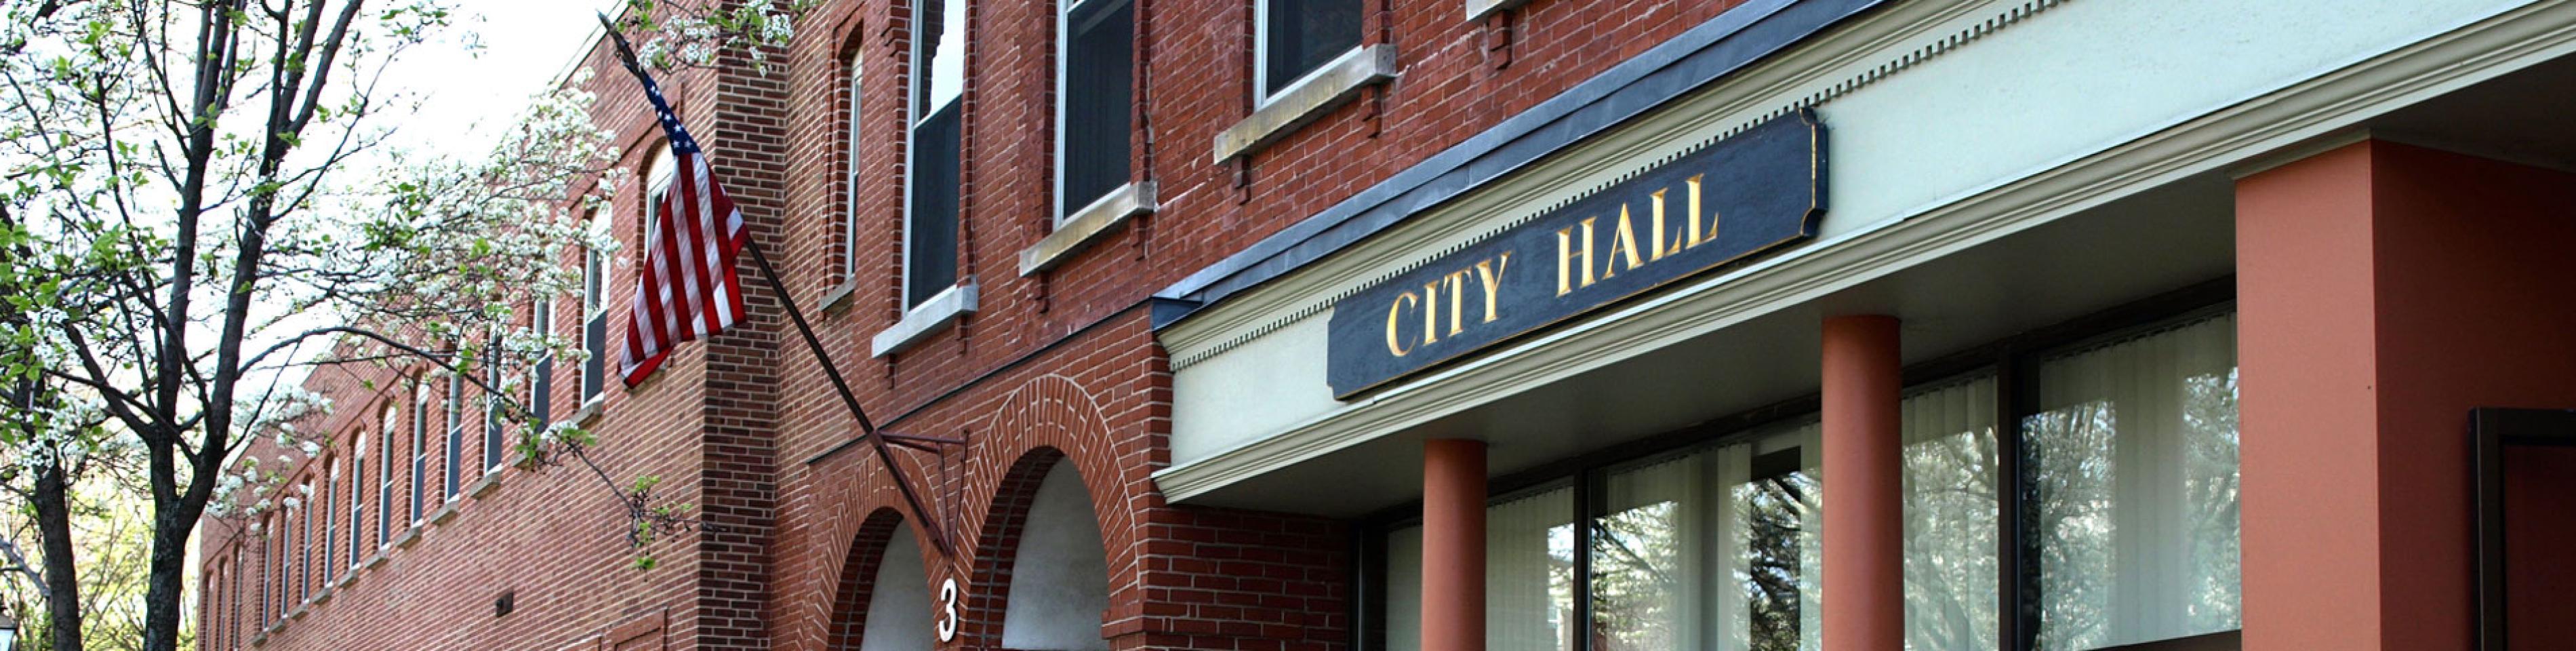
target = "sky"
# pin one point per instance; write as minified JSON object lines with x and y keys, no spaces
{"x":471,"y":94}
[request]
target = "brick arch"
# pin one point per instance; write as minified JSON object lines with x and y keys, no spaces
{"x":853,"y":505}
{"x":1048,"y":420}
{"x":847,"y":623}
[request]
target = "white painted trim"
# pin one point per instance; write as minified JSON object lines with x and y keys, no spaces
{"x":2223,"y":141}
{"x":920,"y":322}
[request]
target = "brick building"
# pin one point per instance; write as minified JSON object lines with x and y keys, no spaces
{"x":2016,"y":273}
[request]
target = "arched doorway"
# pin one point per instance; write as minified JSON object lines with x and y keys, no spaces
{"x":1060,"y":577}
{"x":884,"y":600}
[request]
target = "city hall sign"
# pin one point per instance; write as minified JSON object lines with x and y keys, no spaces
{"x":1758,"y":190}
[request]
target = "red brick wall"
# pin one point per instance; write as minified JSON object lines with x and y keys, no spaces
{"x":1055,"y":368}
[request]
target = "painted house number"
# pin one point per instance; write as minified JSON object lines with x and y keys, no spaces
{"x":947,"y":610}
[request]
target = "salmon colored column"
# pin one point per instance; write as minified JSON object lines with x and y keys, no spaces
{"x":1453,"y":545}
{"x":1864,"y":553}
{"x":2384,"y":291}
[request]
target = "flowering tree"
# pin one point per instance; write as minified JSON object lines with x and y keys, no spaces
{"x":198,"y":201}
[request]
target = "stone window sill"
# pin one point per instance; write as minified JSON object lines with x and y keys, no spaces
{"x":924,"y":320}
{"x":491,"y":480}
{"x":1310,"y":98}
{"x":445,"y":513}
{"x":838,"y":300}
{"x":374,"y":561}
{"x":1478,"y":10}
{"x":590,"y":412}
{"x":409,"y":535}
{"x":1088,"y":225}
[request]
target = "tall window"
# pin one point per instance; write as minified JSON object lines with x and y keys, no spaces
{"x":455,"y":432}
{"x":2131,"y":462}
{"x":492,"y":435}
{"x":357,"y":498}
{"x":938,"y":85}
{"x":1096,"y":64}
{"x":594,"y":314}
{"x":850,"y":179}
{"x":1950,"y":464}
{"x":272,"y":565}
{"x":1297,"y":37}
{"x":330,"y":496}
{"x":385,"y":475}
{"x":541,"y":377}
{"x":420,"y":413}
{"x":304,"y":546}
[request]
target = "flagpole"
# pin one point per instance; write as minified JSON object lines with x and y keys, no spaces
{"x":867,"y":429}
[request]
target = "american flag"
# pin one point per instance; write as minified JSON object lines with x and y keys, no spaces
{"x":688,"y":288}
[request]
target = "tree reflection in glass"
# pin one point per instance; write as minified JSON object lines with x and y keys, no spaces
{"x":1715,"y":549}
{"x":2133,"y":478}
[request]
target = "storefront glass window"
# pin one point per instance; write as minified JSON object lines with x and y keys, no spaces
{"x":2131,"y":459}
{"x":1716,"y":549}
{"x":1950,"y":516}
{"x":1529,"y":576}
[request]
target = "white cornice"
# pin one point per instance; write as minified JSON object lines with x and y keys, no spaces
{"x":2225,"y":140}
{"x":1888,"y":41}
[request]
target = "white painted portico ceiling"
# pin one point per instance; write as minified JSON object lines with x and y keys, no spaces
{"x":1942,"y":174}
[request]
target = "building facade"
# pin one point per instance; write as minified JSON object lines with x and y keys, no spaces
{"x":1331,"y":325}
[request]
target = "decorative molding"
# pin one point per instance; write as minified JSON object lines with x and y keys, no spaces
{"x":1185,"y":356}
{"x":1310,"y":98}
{"x":929,"y":317}
{"x":1087,"y":225}
{"x":2224,"y":140}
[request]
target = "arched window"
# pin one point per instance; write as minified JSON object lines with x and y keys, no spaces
{"x":385,"y":474}
{"x":421,"y":407}
{"x":357,"y":496}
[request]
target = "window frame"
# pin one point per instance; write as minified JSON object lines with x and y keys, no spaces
{"x":1064,"y":208}
{"x":853,"y":81}
{"x":1261,"y":93}
{"x":918,"y":63}
{"x":594,"y":313}
{"x":420,"y":411}
{"x":2013,"y":361}
{"x":385,"y":432}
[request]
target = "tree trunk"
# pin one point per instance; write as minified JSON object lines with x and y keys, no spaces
{"x":62,"y":576}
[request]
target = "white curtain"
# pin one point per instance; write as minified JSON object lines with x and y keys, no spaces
{"x":1950,"y":517}
{"x":1529,"y":576}
{"x":2133,"y":462}
{"x":1713,"y":550}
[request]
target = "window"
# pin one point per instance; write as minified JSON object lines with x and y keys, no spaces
{"x":492,"y":435}
{"x":2104,"y":477}
{"x":420,"y":408}
{"x":1529,"y":588}
{"x":1951,"y":470}
{"x":594,"y":314}
{"x":385,"y":475}
{"x":2130,"y":456}
{"x":272,"y":570}
{"x":330,"y":527}
{"x":1096,"y":115}
{"x":1297,"y":37}
{"x":357,"y":498}
{"x":850,"y":173}
{"x":936,"y":140}
{"x":304,"y":546}
{"x":455,"y":432}
{"x":541,"y":377}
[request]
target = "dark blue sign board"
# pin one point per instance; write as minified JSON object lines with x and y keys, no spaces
{"x":1752,"y":192}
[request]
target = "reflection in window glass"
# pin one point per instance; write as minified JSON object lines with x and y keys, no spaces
{"x":1302,"y":35}
{"x":1717,"y":549}
{"x":2132,"y":464}
{"x":1950,"y":516}
{"x":1529,"y":576}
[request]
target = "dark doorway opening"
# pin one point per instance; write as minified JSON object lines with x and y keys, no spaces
{"x":2526,"y":528}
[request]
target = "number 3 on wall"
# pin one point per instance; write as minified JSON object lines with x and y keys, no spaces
{"x":947,"y":610}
